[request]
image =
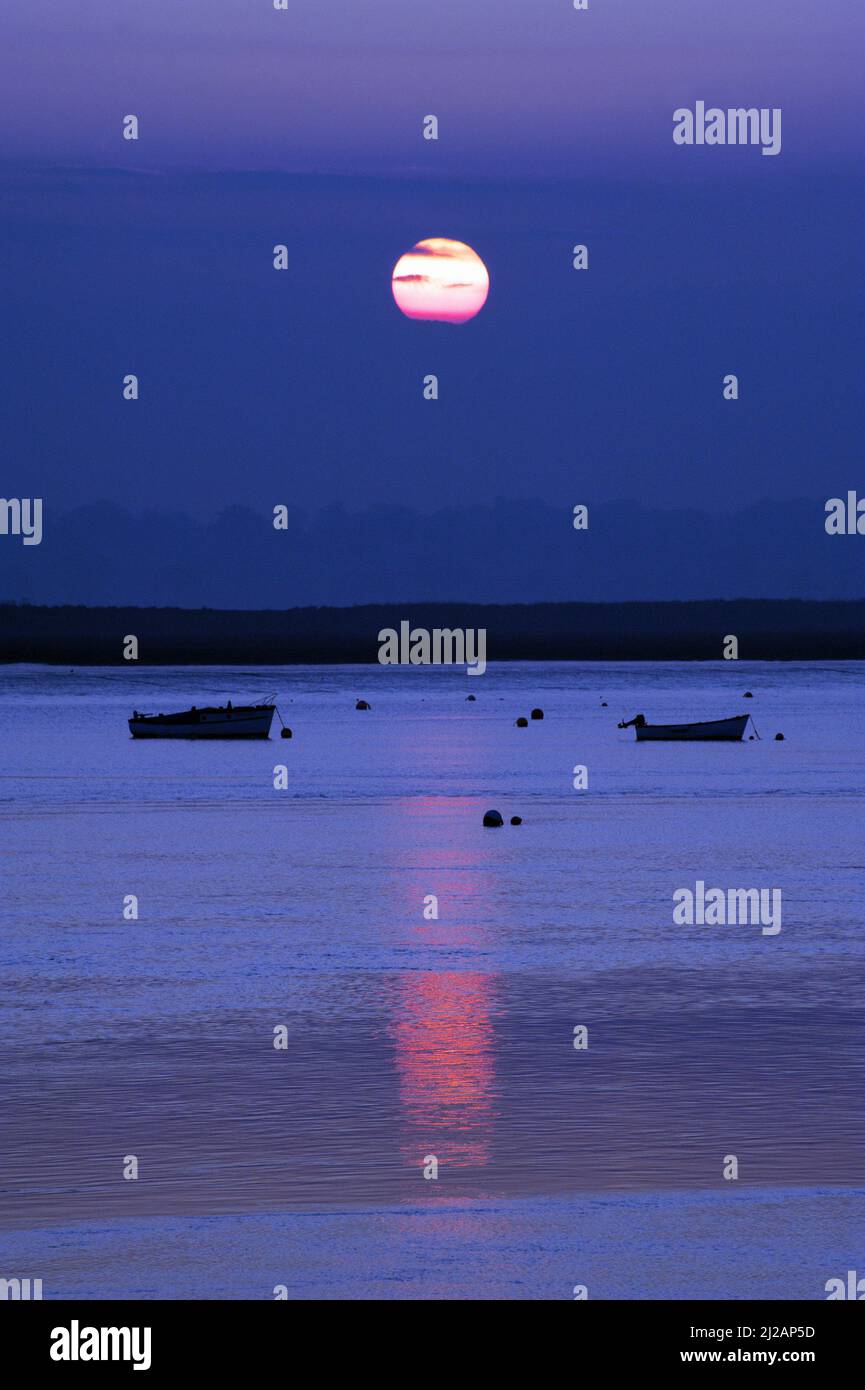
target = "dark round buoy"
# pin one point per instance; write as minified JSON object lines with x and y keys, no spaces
{"x":747,"y":695}
{"x":537,"y":714}
{"x":471,"y":697}
{"x":779,"y":738}
{"x":603,"y":704}
{"x":362,"y":704}
{"x":516,"y":820}
{"x":286,"y":732}
{"x":750,"y":738}
{"x":522,"y":723}
{"x":493,"y":819}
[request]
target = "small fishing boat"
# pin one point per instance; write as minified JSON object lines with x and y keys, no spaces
{"x":710,"y":731}
{"x":212,"y":721}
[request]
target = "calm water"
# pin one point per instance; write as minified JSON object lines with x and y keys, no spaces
{"x":452,"y":1037}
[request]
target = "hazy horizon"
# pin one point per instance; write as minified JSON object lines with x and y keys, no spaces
{"x":510,"y":551}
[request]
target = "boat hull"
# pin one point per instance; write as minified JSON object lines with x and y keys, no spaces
{"x":210,"y":724}
{"x":715,"y":731}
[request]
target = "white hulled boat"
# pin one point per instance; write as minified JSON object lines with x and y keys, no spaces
{"x":212,"y":721}
{"x":710,"y":731}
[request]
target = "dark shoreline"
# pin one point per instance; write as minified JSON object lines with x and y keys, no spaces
{"x":767,"y":630}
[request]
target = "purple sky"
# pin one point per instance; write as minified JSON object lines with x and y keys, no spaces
{"x":519,"y":85}
{"x":304,"y":127}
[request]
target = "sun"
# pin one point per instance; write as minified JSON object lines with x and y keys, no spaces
{"x":440,"y":280}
